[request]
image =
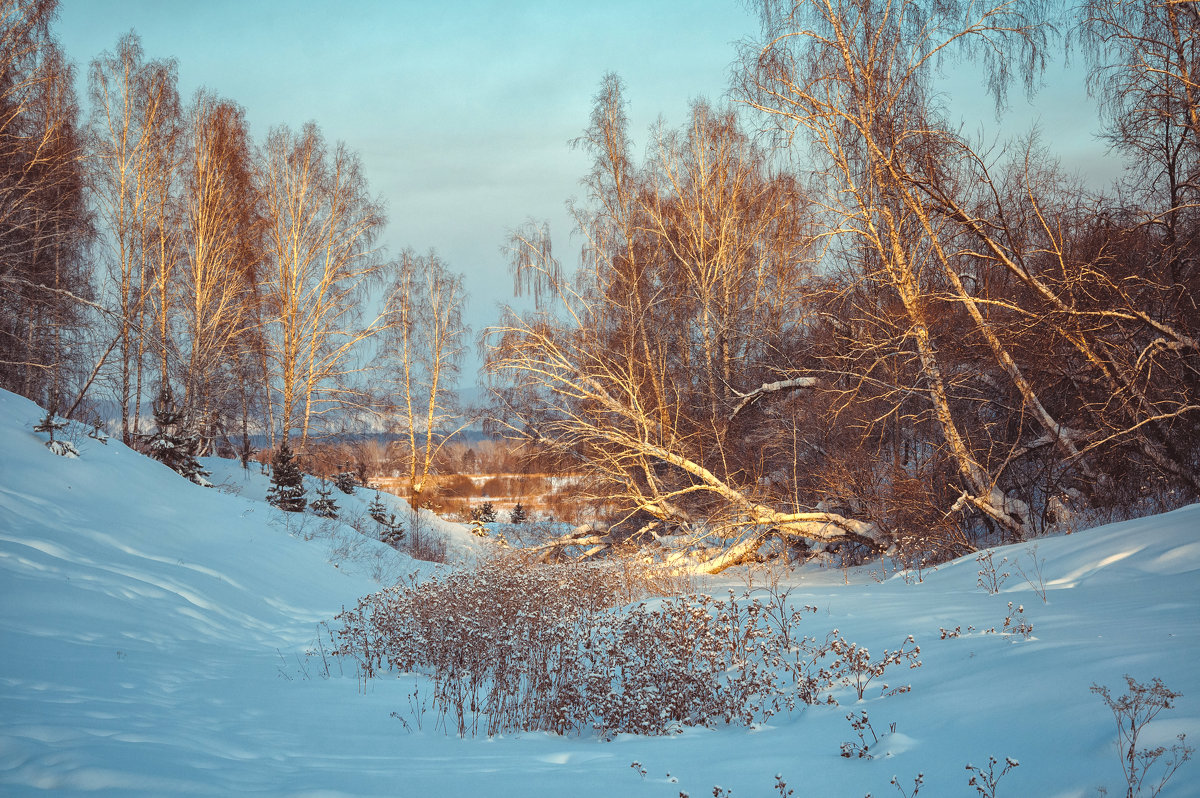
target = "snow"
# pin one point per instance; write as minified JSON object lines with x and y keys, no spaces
{"x":156,"y":638}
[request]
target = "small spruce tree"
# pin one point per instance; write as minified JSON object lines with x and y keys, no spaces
{"x":324,"y":505}
{"x":50,"y":426}
{"x":346,"y":482}
{"x":485,"y":512}
{"x":518,"y":514}
{"x":170,"y":444}
{"x":376,"y":510}
{"x":392,"y":532}
{"x":287,"y":482}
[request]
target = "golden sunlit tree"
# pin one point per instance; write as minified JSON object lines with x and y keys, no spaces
{"x":134,"y":117}
{"x":649,"y":368}
{"x":320,"y":262}
{"x":422,"y":348}
{"x":218,"y":287}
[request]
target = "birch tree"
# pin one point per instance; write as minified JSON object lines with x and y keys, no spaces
{"x":44,"y":228}
{"x":134,"y":110}
{"x":320,"y":262}
{"x":672,"y":329}
{"x":423,"y":342}
{"x":223,"y":250}
{"x":854,"y":79}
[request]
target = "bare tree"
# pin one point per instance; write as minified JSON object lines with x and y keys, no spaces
{"x":134,"y":110}
{"x":320,"y":261}
{"x":44,"y":226}
{"x":670,"y":332}
{"x":854,"y":78}
{"x":422,"y":348}
{"x":223,"y":239}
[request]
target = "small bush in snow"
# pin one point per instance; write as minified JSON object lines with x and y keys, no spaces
{"x":1132,"y":712}
{"x":861,"y":725}
{"x":991,"y":575}
{"x":1034,"y":577}
{"x":1015,"y":623}
{"x":985,"y":782}
{"x":917,"y":782}
{"x":854,"y":666}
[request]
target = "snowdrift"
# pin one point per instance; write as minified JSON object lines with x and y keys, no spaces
{"x":156,"y":640}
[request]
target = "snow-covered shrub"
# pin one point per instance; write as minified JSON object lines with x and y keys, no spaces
{"x":853,"y":665}
{"x":991,"y":577}
{"x":861,"y":724}
{"x":556,"y":648}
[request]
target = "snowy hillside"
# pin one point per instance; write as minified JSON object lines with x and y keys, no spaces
{"x":155,"y":637}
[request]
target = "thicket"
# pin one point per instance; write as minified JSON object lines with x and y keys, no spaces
{"x":560,"y":648}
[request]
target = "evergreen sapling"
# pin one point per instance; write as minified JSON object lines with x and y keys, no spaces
{"x":170,"y":444}
{"x":287,"y":482}
{"x":49,"y":426}
{"x":324,"y":505}
{"x":376,"y":510}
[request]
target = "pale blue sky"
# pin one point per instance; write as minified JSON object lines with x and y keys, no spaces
{"x":462,"y":110}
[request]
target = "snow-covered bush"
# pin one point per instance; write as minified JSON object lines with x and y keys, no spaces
{"x":557,"y":648}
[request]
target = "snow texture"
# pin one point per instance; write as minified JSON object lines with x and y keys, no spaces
{"x":156,"y":635}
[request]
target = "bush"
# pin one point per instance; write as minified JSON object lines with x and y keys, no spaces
{"x":511,"y":647}
{"x":1132,"y":712}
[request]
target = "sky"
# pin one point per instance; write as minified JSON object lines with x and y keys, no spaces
{"x":462,"y":112}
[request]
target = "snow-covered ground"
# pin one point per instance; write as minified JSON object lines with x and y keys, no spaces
{"x":155,"y":634}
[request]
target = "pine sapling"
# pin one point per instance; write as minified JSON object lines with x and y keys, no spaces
{"x":50,"y":425}
{"x":287,"y":482}
{"x":376,"y":509}
{"x":324,"y":505}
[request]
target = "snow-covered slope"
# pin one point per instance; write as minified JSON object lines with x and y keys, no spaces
{"x":154,"y":637}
